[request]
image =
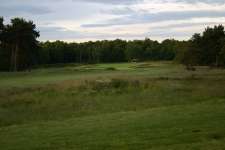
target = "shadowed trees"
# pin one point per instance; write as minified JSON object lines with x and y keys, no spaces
{"x":1,"y":25}
{"x":106,"y":51}
{"x":19,"y":38}
{"x":207,"y":48}
{"x":221,"y":58}
{"x":4,"y":52}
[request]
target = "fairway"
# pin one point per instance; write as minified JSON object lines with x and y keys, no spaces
{"x":120,"y":106}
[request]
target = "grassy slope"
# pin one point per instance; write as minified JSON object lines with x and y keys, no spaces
{"x":164,"y":108}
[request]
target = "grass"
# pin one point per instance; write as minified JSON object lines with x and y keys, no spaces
{"x":151,"y":105}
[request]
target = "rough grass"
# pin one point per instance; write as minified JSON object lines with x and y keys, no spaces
{"x":152,"y":105}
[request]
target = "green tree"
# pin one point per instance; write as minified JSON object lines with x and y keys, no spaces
{"x":135,"y":50}
{"x":21,"y":35}
{"x":4,"y":53}
{"x":168,"y":49}
{"x":1,"y":26}
{"x":211,"y":45}
{"x":221,"y":60}
{"x":206,"y":48}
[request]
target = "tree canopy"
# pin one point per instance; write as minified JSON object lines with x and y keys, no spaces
{"x":19,"y":43}
{"x":207,"y":48}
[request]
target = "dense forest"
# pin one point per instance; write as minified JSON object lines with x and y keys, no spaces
{"x":20,"y":49}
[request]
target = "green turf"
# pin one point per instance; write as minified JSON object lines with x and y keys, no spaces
{"x":151,"y":105}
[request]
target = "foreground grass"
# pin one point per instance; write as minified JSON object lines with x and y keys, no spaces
{"x":199,"y":126}
{"x":133,"y":106}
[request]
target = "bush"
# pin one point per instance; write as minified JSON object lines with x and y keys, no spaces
{"x":99,"y":85}
{"x":118,"y":83}
{"x":111,"y":69}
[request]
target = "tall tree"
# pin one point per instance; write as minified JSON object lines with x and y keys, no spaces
{"x":212,"y":44}
{"x":1,"y":29}
{"x":4,"y":53}
{"x":21,"y":35}
{"x":206,"y":48}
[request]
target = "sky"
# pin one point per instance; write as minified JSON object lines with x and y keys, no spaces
{"x":84,"y":20}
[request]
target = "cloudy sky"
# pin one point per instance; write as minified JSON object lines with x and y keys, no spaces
{"x":83,"y":20}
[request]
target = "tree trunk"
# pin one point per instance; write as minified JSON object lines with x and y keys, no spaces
{"x":16,"y":58}
{"x":217,"y":61}
{"x":12,"y":59}
{"x":80,"y":57}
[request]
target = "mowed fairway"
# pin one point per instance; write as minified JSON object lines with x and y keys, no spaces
{"x":127,"y":106}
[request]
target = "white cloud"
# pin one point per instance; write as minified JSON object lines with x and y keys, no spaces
{"x":83,"y":20}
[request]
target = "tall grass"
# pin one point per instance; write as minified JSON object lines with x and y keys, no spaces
{"x":136,"y":106}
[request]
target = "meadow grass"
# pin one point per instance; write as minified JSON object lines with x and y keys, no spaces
{"x":150,"y":105}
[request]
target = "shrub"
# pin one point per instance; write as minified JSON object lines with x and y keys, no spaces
{"x":119,"y":83}
{"x":111,"y":69}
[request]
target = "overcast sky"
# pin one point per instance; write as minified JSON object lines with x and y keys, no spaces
{"x":83,"y":20}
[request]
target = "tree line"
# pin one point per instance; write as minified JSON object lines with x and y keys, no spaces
{"x":20,"y":49}
{"x":107,"y":51}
